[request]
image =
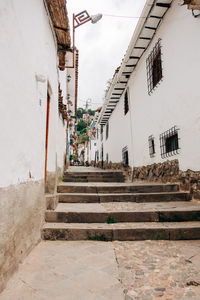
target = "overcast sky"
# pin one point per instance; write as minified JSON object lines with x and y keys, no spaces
{"x":103,"y":45}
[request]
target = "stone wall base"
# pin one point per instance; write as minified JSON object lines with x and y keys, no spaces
{"x":22,"y":210}
{"x":169,"y":172}
{"x":115,"y":166}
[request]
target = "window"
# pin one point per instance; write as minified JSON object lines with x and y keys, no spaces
{"x":169,"y":142}
{"x":95,"y":144}
{"x":101,"y":132}
{"x":154,"y":67}
{"x":126,"y":107}
{"x":107,"y":130}
{"x":151,"y":146}
{"x":125,"y":156}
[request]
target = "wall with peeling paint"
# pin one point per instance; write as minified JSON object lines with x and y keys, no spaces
{"x":28,"y":68}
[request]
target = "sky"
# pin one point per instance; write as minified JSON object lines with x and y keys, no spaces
{"x":103,"y":45}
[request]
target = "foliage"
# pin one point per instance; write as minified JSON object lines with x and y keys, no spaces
{"x":81,"y":125}
{"x":71,"y":157}
{"x":84,"y":138}
{"x":60,"y":179}
{"x":91,"y":112}
{"x":110,"y":220}
{"x":80,"y":112}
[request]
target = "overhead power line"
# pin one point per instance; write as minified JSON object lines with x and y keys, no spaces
{"x":126,"y":17}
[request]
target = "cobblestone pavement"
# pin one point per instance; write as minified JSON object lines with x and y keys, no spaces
{"x":168,"y":270}
{"x":90,"y":270}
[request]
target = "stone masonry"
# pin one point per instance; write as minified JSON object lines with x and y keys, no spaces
{"x":168,"y":172}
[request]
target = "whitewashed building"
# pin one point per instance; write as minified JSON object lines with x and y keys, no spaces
{"x":34,"y":38}
{"x":150,"y":119}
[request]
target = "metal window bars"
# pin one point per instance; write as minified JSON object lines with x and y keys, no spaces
{"x":169,"y":142}
{"x":151,"y":146}
{"x":154,"y":67}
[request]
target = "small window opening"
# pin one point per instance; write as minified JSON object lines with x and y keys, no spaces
{"x":126,"y":106}
{"x":125,"y":156}
{"x":101,"y":132}
{"x":107,"y":130}
{"x":169,"y":142}
{"x":154,"y":67}
{"x":151,"y":146}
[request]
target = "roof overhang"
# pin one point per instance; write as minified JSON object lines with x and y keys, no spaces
{"x":59,"y":17}
{"x":150,"y":19}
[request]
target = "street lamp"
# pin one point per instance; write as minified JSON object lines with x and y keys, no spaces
{"x":78,"y":20}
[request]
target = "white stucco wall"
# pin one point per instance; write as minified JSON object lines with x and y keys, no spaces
{"x":176,"y":100}
{"x":28,"y":69}
{"x":27,"y":49}
{"x":92,"y":149}
{"x":119,"y":135}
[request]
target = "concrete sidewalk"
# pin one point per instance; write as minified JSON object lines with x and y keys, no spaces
{"x":67,"y":271}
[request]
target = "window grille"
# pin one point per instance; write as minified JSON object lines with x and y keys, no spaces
{"x":107,"y":130}
{"x":125,"y":156}
{"x":169,"y":142}
{"x":126,"y":106}
{"x":151,"y":146}
{"x":154,"y":67}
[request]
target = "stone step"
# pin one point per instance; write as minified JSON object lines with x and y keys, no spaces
{"x":123,"y":197}
{"x":94,"y":179}
{"x":96,"y":173}
{"x":115,"y":188}
{"x":124,"y":212}
{"x":122,"y":231}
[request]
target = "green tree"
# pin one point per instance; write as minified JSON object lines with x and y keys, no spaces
{"x":80,"y":112}
{"x":91,"y":112}
{"x":81,"y":125}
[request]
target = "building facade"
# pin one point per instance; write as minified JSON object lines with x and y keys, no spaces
{"x":34,"y":40}
{"x":151,"y":110}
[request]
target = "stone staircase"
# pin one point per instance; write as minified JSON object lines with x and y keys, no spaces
{"x":100,"y":176}
{"x":100,"y":206}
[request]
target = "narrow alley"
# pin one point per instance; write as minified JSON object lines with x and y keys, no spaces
{"x":100,"y":160}
{"x":98,"y":206}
